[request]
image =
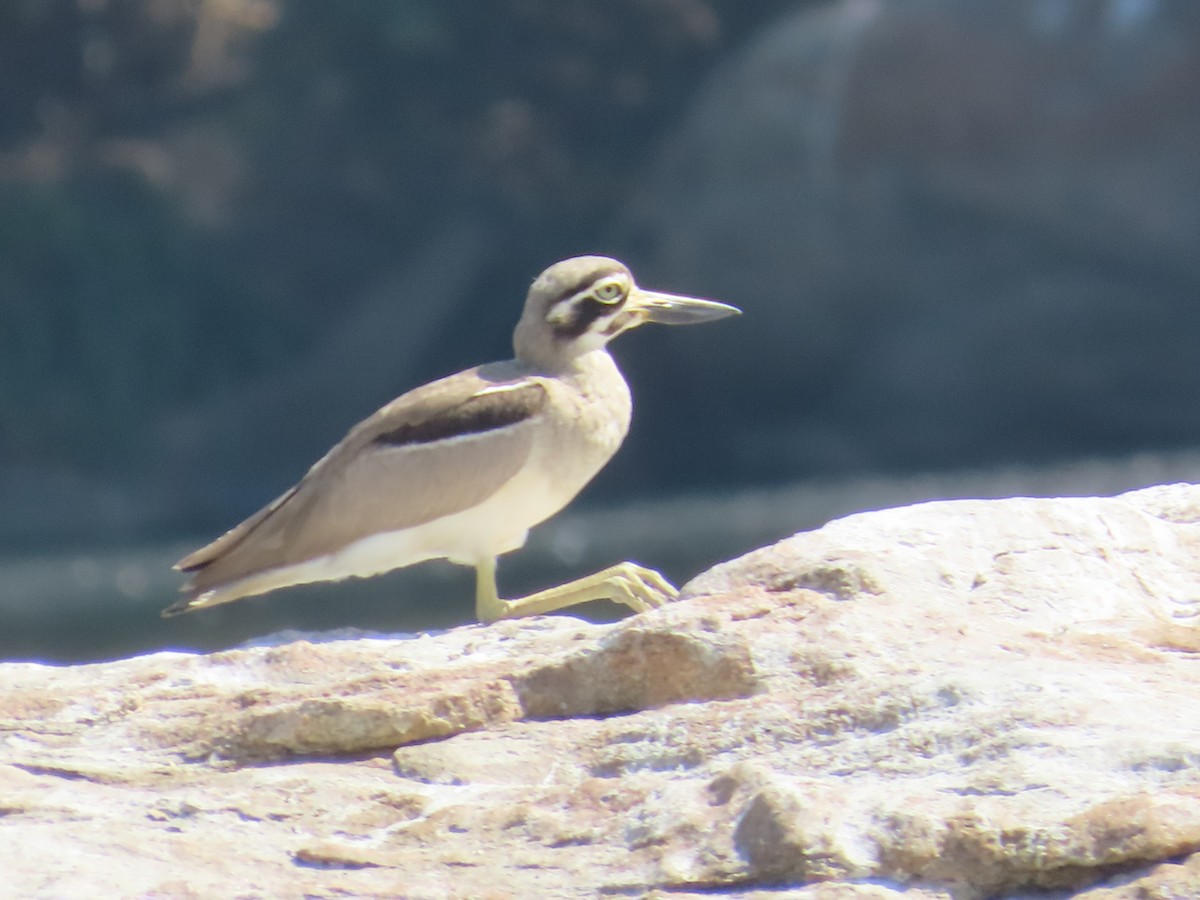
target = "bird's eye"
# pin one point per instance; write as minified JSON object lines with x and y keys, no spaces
{"x":609,"y":292}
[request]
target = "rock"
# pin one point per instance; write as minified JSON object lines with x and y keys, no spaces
{"x":956,"y":700}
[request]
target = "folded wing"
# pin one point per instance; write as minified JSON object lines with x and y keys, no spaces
{"x":433,"y":452}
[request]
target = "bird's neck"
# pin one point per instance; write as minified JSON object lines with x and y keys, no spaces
{"x":567,"y":361}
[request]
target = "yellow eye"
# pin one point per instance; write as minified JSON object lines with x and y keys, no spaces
{"x":609,"y":292}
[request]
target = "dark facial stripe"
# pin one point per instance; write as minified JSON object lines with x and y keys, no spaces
{"x":584,"y":312}
{"x":476,"y":415}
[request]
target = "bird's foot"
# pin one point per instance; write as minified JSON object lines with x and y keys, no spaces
{"x":635,"y":586}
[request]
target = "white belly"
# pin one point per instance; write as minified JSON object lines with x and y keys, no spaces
{"x":498,"y":525}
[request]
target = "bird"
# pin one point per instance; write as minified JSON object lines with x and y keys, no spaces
{"x":463,"y":467}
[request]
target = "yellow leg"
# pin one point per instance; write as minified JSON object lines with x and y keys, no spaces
{"x":636,"y":586}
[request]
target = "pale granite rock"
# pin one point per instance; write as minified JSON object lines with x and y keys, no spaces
{"x":961,"y":699}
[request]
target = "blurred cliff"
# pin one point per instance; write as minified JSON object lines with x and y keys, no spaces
{"x":964,"y":232}
{"x":229,"y":229}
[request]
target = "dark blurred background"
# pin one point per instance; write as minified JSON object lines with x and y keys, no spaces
{"x":966,"y":235}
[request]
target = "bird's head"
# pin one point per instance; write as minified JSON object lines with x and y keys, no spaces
{"x":581,"y":304}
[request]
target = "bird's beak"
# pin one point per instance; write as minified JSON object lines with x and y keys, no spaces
{"x":673,"y":309}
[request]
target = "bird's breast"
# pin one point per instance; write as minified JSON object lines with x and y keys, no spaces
{"x":580,"y":427}
{"x":587,"y":419}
